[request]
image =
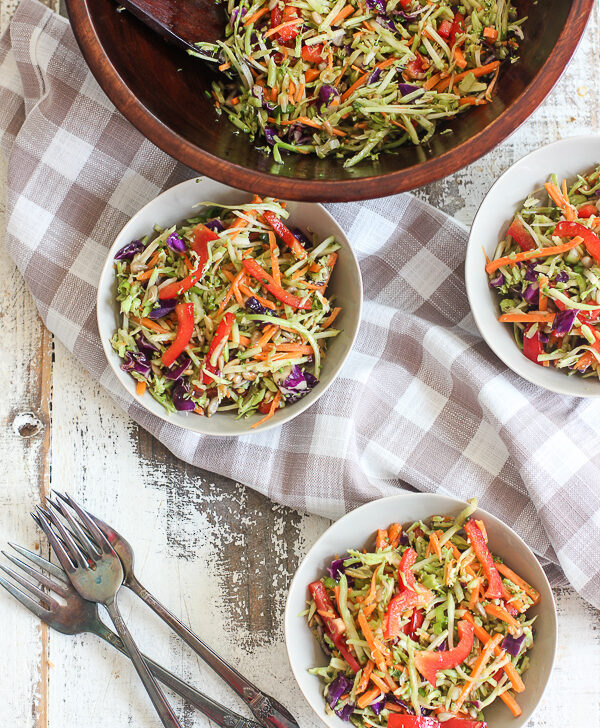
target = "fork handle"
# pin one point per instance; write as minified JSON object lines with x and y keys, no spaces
{"x":164,"y":710}
{"x":268,"y":711}
{"x":218,"y":713}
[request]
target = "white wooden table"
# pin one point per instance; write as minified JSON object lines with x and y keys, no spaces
{"x":216,"y":553}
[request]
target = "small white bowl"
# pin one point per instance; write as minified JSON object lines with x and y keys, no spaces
{"x":357,"y":530}
{"x":565,"y":158}
{"x":175,"y":205}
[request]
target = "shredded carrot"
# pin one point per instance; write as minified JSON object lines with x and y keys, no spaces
{"x":311,"y":74}
{"x":484,"y":656}
{"x":378,"y":650}
{"x":150,"y":324}
{"x":326,"y":323}
{"x":459,"y":57}
{"x":431,"y":82}
{"x":393,"y":708}
{"x":267,"y":335}
{"x":224,"y":66}
{"x":493,"y":265}
{"x":368,"y":697}
{"x":378,"y":682}
{"x":483,"y":530}
{"x":490,"y":88}
{"x":471,"y":101}
{"x":584,"y":361}
{"x":561,"y":199}
{"x":435,"y":545}
{"x":343,"y":71}
{"x":344,"y":13}
{"x":381,"y":540}
{"x":479,"y":71}
{"x":281,"y":26}
{"x":249,"y":292}
{"x":510,"y":670}
{"x":543,"y":304}
{"x":274,"y":405}
{"x":294,"y":348}
{"x":524,"y":318}
{"x":373,"y":588}
{"x":255,"y":16}
{"x":490,"y":33}
{"x":532,"y":593}
{"x":363,"y":79}
{"x":474,"y":598}
{"x":336,"y":591}
{"x":500,"y":613}
{"x":395,"y":530}
{"x":511,"y":703}
{"x":300,"y":93}
{"x":364,"y":678}
{"x":229,"y":294}
{"x":140,"y":388}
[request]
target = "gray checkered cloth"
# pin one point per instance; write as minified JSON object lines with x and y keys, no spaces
{"x":421,"y":403}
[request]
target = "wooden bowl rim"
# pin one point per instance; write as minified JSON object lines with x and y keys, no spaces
{"x":361,"y":188}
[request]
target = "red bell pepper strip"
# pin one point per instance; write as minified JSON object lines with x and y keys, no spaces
{"x":282,"y":231}
{"x":587,"y":210}
{"x":312,"y":54}
{"x":416,"y":68}
{"x":584,"y":316}
{"x":479,"y":546}
{"x":405,"y":573}
{"x":465,"y":722}
{"x":519,"y":233}
{"x":429,"y":662}
{"x":216,"y":346}
{"x":399,"y":720}
{"x":458,"y":26}
{"x":332,"y":621}
{"x":185,"y":329}
{"x":532,"y":345}
{"x":201,"y":237}
{"x":591,"y":241}
{"x":444,"y":29}
{"x":257,"y":271}
{"x":411,"y":627}
{"x":410,"y":596}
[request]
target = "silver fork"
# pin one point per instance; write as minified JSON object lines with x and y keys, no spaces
{"x":74,"y":615}
{"x":267,"y":711}
{"x":95,"y":571}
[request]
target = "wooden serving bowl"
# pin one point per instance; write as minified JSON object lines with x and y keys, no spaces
{"x":160,"y":89}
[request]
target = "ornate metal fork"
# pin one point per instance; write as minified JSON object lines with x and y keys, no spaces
{"x":74,"y":615}
{"x":95,"y":571}
{"x":267,"y":711}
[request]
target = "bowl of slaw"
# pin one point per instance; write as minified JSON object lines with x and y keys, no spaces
{"x":566,"y":159}
{"x":170,"y":101}
{"x":169,"y":211}
{"x":357,"y":530}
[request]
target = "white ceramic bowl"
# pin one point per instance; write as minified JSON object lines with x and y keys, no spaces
{"x":357,"y":530}
{"x":566,"y":158}
{"x":174,"y":206}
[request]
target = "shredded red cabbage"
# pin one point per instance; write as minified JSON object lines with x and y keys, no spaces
{"x":564,"y":320}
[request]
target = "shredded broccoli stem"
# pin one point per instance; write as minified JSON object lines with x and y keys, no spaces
{"x":336,"y":78}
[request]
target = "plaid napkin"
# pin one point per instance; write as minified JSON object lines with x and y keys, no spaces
{"x":421,"y":403}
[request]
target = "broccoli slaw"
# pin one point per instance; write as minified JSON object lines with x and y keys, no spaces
{"x":546,"y":272}
{"x":226,"y":312}
{"x":353,"y":78}
{"x":426,"y":629}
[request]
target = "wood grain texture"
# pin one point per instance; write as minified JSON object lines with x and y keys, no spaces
{"x":218,"y":554}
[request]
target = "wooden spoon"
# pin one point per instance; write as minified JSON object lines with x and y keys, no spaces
{"x":182,"y":22}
